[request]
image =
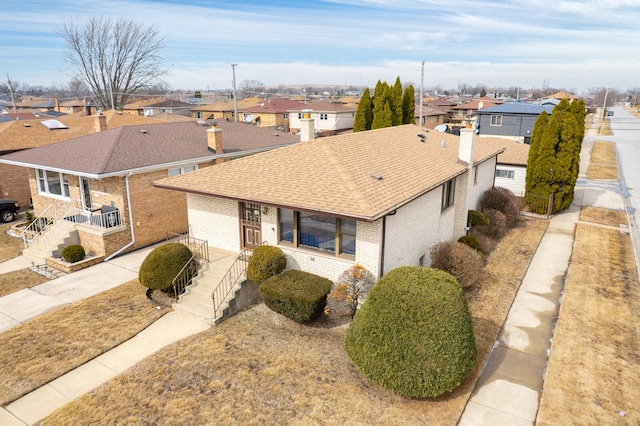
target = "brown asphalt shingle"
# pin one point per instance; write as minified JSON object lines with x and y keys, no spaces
{"x":334,"y":174}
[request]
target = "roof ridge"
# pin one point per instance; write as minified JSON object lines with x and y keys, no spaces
{"x":115,"y":144}
{"x":345,"y":176}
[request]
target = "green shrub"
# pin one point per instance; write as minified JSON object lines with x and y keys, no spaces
{"x":297,"y":295}
{"x":459,"y":260}
{"x":73,"y":253}
{"x":503,"y":200}
{"x":470,"y":240}
{"x":413,"y":334}
{"x":162,"y":265}
{"x":476,"y":218}
{"x":265,"y":262}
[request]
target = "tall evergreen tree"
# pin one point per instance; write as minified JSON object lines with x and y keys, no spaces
{"x":395,"y":102}
{"x":382,"y":114}
{"x":364,"y":113}
{"x":408,"y":105}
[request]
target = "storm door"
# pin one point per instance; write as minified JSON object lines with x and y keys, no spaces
{"x":251,"y":225}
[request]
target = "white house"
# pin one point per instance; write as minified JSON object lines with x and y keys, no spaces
{"x":379,"y":198}
{"x":329,"y":117}
{"x":511,"y":171}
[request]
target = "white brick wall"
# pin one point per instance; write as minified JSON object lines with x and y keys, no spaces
{"x":516,"y":184}
{"x":414,"y":228}
{"x":215,"y":220}
{"x":486,"y":174}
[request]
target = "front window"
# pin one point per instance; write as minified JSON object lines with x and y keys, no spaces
{"x":52,"y":183}
{"x":496,"y":120}
{"x":316,"y":231}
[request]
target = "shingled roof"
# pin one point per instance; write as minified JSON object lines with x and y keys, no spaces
{"x":117,"y":151}
{"x":362,"y":175}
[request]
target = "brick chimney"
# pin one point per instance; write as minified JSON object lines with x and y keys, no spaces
{"x":57,"y":104}
{"x":101,"y":123}
{"x":465,"y":152}
{"x":214,"y":138}
{"x":307,"y":130}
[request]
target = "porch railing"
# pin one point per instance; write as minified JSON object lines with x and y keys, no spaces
{"x":200,"y":257}
{"x":235,"y":273}
{"x":49,"y":216}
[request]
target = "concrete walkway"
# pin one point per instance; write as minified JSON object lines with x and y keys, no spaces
{"x":23,"y":305}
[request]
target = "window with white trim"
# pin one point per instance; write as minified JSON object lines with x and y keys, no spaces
{"x":507,"y":174}
{"x":496,"y":120}
{"x":182,"y":170}
{"x":286,"y":116}
{"x":324,"y":116}
{"x":52,"y":183}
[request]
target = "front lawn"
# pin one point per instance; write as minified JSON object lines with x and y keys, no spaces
{"x":10,"y":247}
{"x":260,"y":368}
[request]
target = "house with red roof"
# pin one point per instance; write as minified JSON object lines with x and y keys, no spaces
{"x":273,"y":112}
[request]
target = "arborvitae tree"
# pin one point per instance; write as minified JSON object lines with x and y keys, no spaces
{"x":483,"y":93}
{"x":379,"y":90}
{"x":364,"y":114}
{"x":382,"y":115}
{"x":537,"y":173}
{"x":408,"y":105}
{"x":395,"y":101}
{"x":579,"y":110}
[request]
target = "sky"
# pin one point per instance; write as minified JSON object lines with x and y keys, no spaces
{"x":570,"y":44}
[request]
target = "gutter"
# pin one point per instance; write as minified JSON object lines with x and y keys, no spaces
{"x":133,"y":234}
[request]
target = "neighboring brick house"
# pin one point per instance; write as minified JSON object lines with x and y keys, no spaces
{"x":431,"y":117}
{"x":330,"y":117}
{"x":466,"y":113}
{"x":223,"y":109}
{"x":273,"y":112}
{"x":103,"y":181}
{"x":513,"y":120}
{"x":22,"y":134}
{"x":379,"y":198}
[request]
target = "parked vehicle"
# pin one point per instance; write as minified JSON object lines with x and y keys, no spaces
{"x":8,"y":210}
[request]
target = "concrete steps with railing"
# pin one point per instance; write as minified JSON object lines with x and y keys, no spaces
{"x":35,"y":251}
{"x":196,"y":300}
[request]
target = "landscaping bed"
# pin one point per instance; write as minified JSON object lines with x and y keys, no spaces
{"x":259,"y":367}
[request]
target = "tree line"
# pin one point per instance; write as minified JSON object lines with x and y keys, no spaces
{"x":389,"y":106}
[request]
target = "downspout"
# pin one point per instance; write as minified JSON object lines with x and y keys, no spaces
{"x":133,"y":234}
{"x":384,"y":227}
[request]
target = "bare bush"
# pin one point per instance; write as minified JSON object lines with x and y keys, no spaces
{"x":503,"y":200}
{"x":458,"y":259}
{"x":497,"y":227}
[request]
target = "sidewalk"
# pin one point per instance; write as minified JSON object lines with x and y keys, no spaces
{"x":24,"y":305}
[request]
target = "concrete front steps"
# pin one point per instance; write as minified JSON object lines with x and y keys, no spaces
{"x":196,"y":301}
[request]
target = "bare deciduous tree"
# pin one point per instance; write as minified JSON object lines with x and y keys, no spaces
{"x":251,"y":87}
{"x":113,"y":58}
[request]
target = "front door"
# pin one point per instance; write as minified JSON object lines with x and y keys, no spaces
{"x":251,"y":228}
{"x":85,"y":193}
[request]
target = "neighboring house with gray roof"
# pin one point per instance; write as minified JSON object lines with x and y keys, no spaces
{"x":379,"y":198}
{"x":512,"y":120}
{"x":99,"y":185}
{"x":168,"y":106}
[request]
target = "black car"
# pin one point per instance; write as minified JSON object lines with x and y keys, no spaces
{"x":8,"y":209}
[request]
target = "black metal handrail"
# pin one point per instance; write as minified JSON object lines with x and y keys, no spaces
{"x":200,"y":257}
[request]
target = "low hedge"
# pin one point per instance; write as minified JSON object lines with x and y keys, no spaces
{"x":298,"y":295}
{"x":413,"y":335}
{"x":265,"y":262}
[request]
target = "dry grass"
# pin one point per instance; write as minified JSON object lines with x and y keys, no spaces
{"x":594,"y":367}
{"x":261,"y":368}
{"x":19,"y":280}
{"x":603,"y":216}
{"x":603,"y":163}
{"x":10,"y":247}
{"x":40,"y":350}
{"x":605,"y":128}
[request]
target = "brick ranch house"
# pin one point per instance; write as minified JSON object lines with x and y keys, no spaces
{"x":380,"y":198}
{"x":99,"y":186}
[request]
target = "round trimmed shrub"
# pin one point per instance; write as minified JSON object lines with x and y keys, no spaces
{"x":476,"y":218}
{"x":162,"y":265}
{"x":459,"y":260}
{"x":73,"y":253}
{"x":497,"y":227}
{"x":470,"y":240}
{"x":413,"y":334}
{"x":265,"y":262}
{"x":298,"y":295}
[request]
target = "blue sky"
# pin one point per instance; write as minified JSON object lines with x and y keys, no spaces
{"x":571,"y":44}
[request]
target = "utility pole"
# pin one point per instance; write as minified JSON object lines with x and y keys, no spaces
{"x":604,"y":107}
{"x":421,"y":93}
{"x":13,"y":101}
{"x":235,"y":96}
